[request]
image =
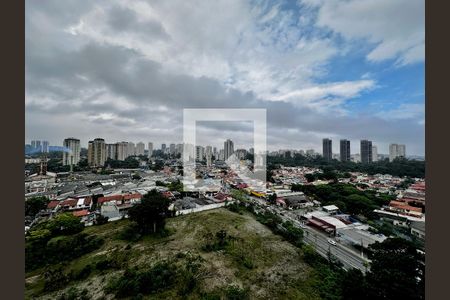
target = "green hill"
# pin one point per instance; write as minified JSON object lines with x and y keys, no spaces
{"x":215,"y":254}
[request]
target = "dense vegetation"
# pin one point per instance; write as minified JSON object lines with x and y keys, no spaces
{"x":151,"y":213}
{"x":57,"y":240}
{"x":128,"y":163}
{"x":399,"y":167}
{"x":348,"y":198}
{"x":34,"y":205}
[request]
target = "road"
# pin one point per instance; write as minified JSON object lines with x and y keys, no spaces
{"x":319,"y":240}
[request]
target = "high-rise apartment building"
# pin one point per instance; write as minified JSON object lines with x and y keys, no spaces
{"x":221,"y":155}
{"x":150,"y":149}
{"x":396,"y":150}
{"x":327,"y":149}
{"x":97,"y":152}
{"x":172,"y":148}
{"x":179,"y":149}
{"x":45,"y":146}
{"x":345,"y":150}
{"x":401,"y":150}
{"x":71,"y":155}
{"x":121,"y":150}
{"x":374,"y":153}
{"x":199,"y":153}
{"x":131,"y":149}
{"x":241,"y":153}
{"x":366,"y":151}
{"x":140,"y":148}
{"x":111,"y":151}
{"x":163,"y":148}
{"x":228,"y":148}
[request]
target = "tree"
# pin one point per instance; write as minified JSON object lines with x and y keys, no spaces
{"x":354,"y":285}
{"x":151,"y":213}
{"x":273,"y":198}
{"x":35,"y":205}
{"x":396,"y":271}
{"x":65,"y":224}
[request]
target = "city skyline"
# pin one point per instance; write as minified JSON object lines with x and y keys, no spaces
{"x":316,"y":69}
{"x":175,"y":148}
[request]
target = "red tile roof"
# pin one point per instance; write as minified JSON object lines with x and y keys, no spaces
{"x":81,"y":213}
{"x":52,"y":204}
{"x":132,"y":196}
{"x":110,"y":198}
{"x":87,"y":200}
{"x":69,"y":202}
{"x":403,"y":205}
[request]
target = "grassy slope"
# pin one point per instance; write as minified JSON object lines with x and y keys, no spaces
{"x":278,"y":271}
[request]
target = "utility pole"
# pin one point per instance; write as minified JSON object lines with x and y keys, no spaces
{"x":362,"y":247}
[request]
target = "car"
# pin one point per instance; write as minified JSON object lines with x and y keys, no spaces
{"x":332,"y":242}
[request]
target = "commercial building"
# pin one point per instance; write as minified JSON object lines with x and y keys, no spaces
{"x":72,"y":154}
{"x":228,"y":147}
{"x":327,"y":149}
{"x":97,"y":152}
{"x":366,"y":151}
{"x":345,"y":150}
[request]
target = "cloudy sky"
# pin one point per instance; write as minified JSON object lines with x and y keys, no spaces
{"x":125,"y":70}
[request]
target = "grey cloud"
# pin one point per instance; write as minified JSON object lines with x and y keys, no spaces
{"x":122,"y":19}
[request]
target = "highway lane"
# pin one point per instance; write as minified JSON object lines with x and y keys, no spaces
{"x":348,"y":257}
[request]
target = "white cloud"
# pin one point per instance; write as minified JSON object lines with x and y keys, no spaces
{"x":404,"y":111}
{"x":396,"y":28}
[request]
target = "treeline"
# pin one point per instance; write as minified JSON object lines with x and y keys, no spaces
{"x":347,"y":197}
{"x":399,"y":167}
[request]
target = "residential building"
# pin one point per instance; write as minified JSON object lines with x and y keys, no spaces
{"x":221,"y":154}
{"x":228,"y":147}
{"x":121,"y":150}
{"x":199,"y":153}
{"x":310,"y":152}
{"x":179,"y":149}
{"x":45,"y":146}
{"x":111,"y":151}
{"x":163,"y":148}
{"x":241,"y":153}
{"x":396,"y":150}
{"x":97,"y":152}
{"x":150,"y":149}
{"x":345,"y":150}
{"x":71,"y":155}
{"x":327,"y":149}
{"x":172,"y":149}
{"x":140,"y":149}
{"x":131,"y":149}
{"x":366,"y":151}
{"x":374,"y":153}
